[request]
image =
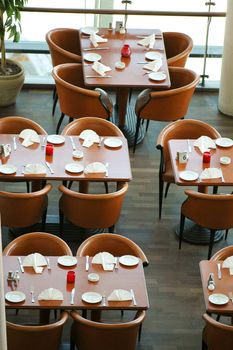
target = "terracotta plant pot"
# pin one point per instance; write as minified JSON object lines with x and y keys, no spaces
{"x":10,"y":85}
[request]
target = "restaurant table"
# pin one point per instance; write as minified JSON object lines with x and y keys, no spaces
{"x":133,"y":76}
{"x":223,"y":286}
{"x":192,"y":233}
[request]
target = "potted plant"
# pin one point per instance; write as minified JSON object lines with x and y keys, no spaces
{"x":11,"y":72}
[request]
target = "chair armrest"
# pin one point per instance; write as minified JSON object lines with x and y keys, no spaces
{"x":105,"y":100}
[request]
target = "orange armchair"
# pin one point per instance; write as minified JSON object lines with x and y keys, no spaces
{"x":178,"y":47}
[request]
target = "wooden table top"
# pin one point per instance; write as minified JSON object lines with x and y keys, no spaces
{"x":133,"y":75}
{"x":223,"y":286}
{"x":122,"y":278}
{"x":195,"y":163}
{"x":118,"y":159}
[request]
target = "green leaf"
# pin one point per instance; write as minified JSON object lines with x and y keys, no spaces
{"x":16,"y":37}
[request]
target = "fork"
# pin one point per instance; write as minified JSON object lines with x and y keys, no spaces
{"x":48,"y":264}
{"x":100,"y":141}
{"x":106,"y":166}
{"x":32,"y":295}
{"x":104,"y":299}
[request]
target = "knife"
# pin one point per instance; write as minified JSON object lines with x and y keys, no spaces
{"x":14,"y":143}
{"x":72,"y":297}
{"x":50,"y":169}
{"x":20,"y":264}
{"x":133,"y":297}
{"x":87,"y":263}
{"x":219,"y":271}
{"x":72,"y":143}
{"x":95,"y":48}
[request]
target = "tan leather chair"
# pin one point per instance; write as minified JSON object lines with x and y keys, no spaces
{"x":40,"y":242}
{"x":181,"y":129}
{"x":113,"y":243}
{"x":166,"y":105}
{"x":14,"y":125}
{"x":101,"y":126}
{"x":75,"y":100}
{"x":24,"y":209}
{"x":223,"y":253}
{"x":215,"y":335}
{"x":86,"y":334}
{"x":27,"y":337}
{"x":91,"y":211}
{"x":207,"y":210}
{"x":178,"y":47}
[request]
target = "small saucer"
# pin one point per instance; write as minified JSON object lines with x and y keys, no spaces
{"x":78,"y":154}
{"x":225,"y":160}
{"x":120,"y":65}
{"x":93,"y":277}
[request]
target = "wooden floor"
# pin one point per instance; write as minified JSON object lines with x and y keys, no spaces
{"x":174,"y":320}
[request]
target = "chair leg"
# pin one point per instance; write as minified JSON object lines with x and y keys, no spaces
{"x":166,"y":189}
{"x":136,"y":134}
{"x":44,"y":220}
{"x":204,"y":345}
{"x":111,"y":229}
{"x":182,"y":221}
{"x":72,"y":342}
{"x":59,"y":122}
{"x":161,"y":184}
{"x":54,"y":103}
{"x":215,"y":189}
{"x":140,"y":333}
{"x":212,"y":234}
{"x":147,"y":124}
{"x":218,"y":318}
{"x":226,"y":234}
{"x":106,"y":187}
{"x":61,"y":223}
{"x":28,"y":186}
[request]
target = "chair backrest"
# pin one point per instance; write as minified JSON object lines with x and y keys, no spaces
{"x":208,"y":210}
{"x":113,"y":243}
{"x":178,"y":47}
{"x":223,"y":253}
{"x":14,"y":125}
{"x":88,"y":335}
{"x":171,"y":104}
{"x":101,"y":126}
{"x":184,"y":129}
{"x":76,"y":101}
{"x":23,"y":209}
{"x":39,"y":242}
{"x":64,"y":45}
{"x":25,"y":337}
{"x":92,"y":210}
{"x":217,"y":335}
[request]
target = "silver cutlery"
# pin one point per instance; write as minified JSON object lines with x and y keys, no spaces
{"x":133,"y":297}
{"x":189,"y":146}
{"x":142,"y":62}
{"x":116,"y":263}
{"x":219,"y":271}
{"x":230,"y":296}
{"x":72,"y":143}
{"x":98,"y":76}
{"x":104,"y":299}
{"x":96,"y":48}
{"x":106,"y":172}
{"x":87,"y":263}
{"x":20,"y":264}
{"x":50,"y":169}
{"x":100,"y":141}
{"x":32,"y":295}
{"x":14,"y":143}
{"x":43,"y":142}
{"x":222,"y":178}
{"x":48,"y":264}
{"x":72,"y":296}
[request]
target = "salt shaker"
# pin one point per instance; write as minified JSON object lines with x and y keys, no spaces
{"x":10,"y":275}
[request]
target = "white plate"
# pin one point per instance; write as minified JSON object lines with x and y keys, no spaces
{"x":113,"y":142}
{"x":92,"y":57}
{"x":74,"y":168}
{"x":218,"y":299}
{"x":89,"y":30}
{"x":120,"y":65}
{"x":56,"y":139}
{"x":93,"y":277}
{"x":91,"y":297}
{"x":225,"y":160}
{"x":8,"y":169}
{"x":78,"y":154}
{"x":129,"y":260}
{"x":224,"y":142}
{"x":157,"y":76}
{"x":188,"y":175}
{"x":153,"y":55}
{"x":15,"y":296}
{"x":67,"y":260}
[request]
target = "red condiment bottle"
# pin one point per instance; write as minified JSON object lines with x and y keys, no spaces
{"x":126,"y":51}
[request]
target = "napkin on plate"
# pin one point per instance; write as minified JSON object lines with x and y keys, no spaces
{"x":35,"y":260}
{"x":204,"y":143}
{"x":100,"y":68}
{"x":95,"y":39}
{"x":36,"y":168}
{"x":106,"y":259}
{"x":96,"y":167}
{"x":50,"y":294}
{"x":148,"y":41}
{"x":30,"y":136}
{"x":211,"y":173}
{"x":228,"y":263}
{"x":120,"y":295}
{"x":90,"y":137}
{"x":153,"y":65}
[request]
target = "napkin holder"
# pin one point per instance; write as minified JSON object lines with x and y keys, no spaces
{"x":5,"y":150}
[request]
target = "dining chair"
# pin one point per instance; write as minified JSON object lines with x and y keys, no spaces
{"x":64,"y":47}
{"x":216,"y":335}
{"x":211,"y":211}
{"x":40,"y":242}
{"x":91,"y":211}
{"x":166,"y":105}
{"x":87,"y":334}
{"x":36,"y":337}
{"x":178,"y":47}
{"x":223,"y":253}
{"x":180,"y":129}
{"x":75,"y":100}
{"x":112,"y":243}
{"x":20,"y":210}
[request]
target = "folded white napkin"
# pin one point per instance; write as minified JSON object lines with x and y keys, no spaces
{"x":35,"y":260}
{"x":148,"y":41}
{"x":36,"y":168}
{"x":96,"y":167}
{"x":30,"y":136}
{"x":90,"y":137}
{"x":211,"y":173}
{"x":50,"y":294}
{"x":228,"y":263}
{"x":154,"y":65}
{"x":120,"y":295}
{"x":94,"y":38}
{"x":106,"y":259}
{"x":100,"y":68}
{"x":204,"y":143}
